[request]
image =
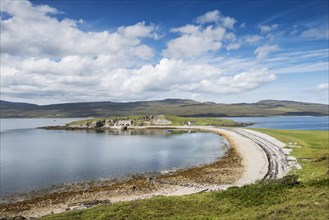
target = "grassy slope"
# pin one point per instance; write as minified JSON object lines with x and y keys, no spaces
{"x":283,"y":199}
{"x":313,"y":156}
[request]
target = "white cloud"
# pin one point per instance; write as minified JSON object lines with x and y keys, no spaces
{"x":252,"y":39}
{"x":25,"y":10}
{"x":46,"y":58}
{"x":228,"y":22}
{"x":194,"y":41}
{"x":268,"y":28}
{"x":197,"y":40}
{"x":90,"y":79}
{"x":216,"y":17}
{"x":316,"y":33}
{"x":211,"y":16}
{"x":233,"y":46}
{"x":238,"y":83}
{"x":263,"y":51}
{"x":187,"y":29}
{"x":32,"y":32}
{"x":323,"y":87}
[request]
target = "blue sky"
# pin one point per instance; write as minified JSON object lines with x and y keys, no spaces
{"x":220,"y":51}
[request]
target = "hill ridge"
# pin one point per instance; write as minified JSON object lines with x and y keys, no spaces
{"x":179,"y":107}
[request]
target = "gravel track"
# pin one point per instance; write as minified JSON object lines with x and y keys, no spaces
{"x":278,"y":165}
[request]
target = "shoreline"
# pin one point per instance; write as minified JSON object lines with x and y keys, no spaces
{"x":247,"y":162}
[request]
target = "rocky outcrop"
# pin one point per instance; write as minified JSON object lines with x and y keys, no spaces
{"x":119,"y":122}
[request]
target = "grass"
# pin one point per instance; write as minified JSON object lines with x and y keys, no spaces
{"x":177,"y":120}
{"x":285,"y":198}
{"x":313,"y":156}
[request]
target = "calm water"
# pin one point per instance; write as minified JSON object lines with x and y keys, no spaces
{"x":35,"y":158}
{"x":287,"y":122}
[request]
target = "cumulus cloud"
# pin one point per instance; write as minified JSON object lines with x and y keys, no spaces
{"x":323,"y":87}
{"x":263,"y":51}
{"x":268,"y":28}
{"x":211,"y":16}
{"x":98,"y":79}
{"x":228,"y":22}
{"x":216,"y":17}
{"x":237,"y":83}
{"x":31,"y":31}
{"x":25,"y":9}
{"x":45,"y":58}
{"x":194,"y":41}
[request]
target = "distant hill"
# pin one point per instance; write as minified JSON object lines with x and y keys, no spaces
{"x":179,"y":107}
{"x":10,"y":105}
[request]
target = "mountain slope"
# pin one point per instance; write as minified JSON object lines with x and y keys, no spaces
{"x":180,"y":107}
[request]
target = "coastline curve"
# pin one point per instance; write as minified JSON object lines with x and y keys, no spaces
{"x":263,"y":157}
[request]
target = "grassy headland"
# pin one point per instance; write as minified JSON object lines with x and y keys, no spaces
{"x":287,"y":198}
{"x":158,"y":120}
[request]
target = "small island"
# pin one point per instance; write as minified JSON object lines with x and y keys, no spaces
{"x":150,"y":121}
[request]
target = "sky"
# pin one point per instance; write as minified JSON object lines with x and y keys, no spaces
{"x":218,"y":51}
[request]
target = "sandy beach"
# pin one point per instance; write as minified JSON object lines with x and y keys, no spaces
{"x":255,"y":156}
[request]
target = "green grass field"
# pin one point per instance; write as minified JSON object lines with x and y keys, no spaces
{"x":177,"y":120}
{"x":285,"y":198}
